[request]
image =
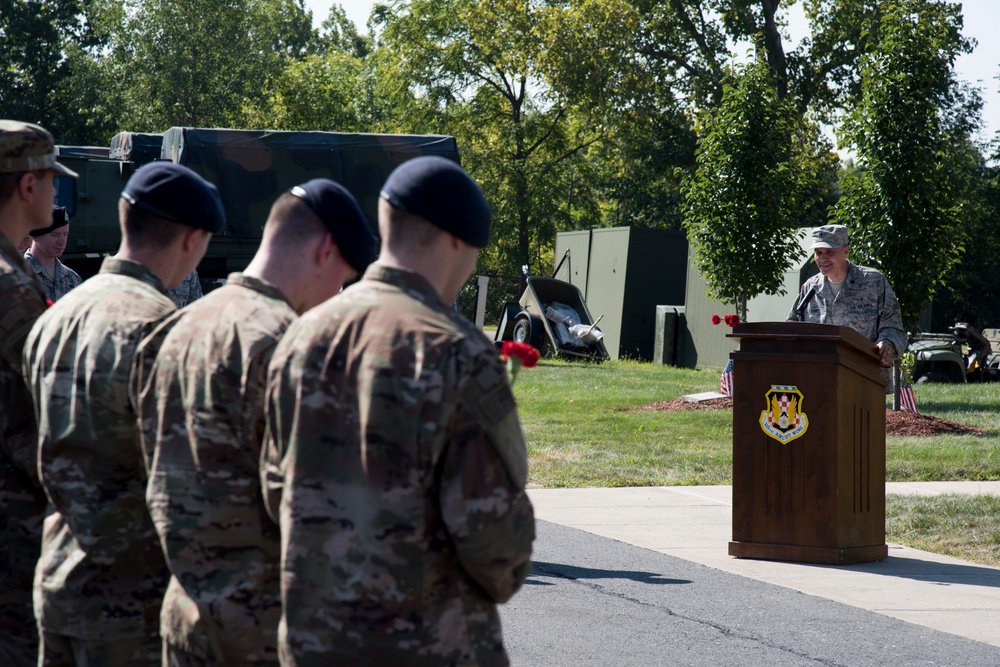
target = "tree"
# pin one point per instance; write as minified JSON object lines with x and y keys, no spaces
{"x":201,"y":63}
{"x":972,"y":291}
{"x":44,"y":61}
{"x":757,"y":167}
{"x":317,"y":93}
{"x":906,"y":204}
{"x":496,"y":71}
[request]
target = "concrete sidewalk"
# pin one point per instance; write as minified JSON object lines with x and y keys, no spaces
{"x":694,"y":523}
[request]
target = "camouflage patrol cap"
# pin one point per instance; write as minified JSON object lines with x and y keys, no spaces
{"x":342,"y":216}
{"x":830,"y":236}
{"x":442,"y":193}
{"x":60,"y":218}
{"x":28,"y":147}
{"x":174,"y":192}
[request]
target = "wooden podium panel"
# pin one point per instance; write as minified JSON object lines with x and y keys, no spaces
{"x":814,"y":494}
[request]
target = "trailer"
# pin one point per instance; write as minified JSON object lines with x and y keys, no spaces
{"x":553,"y":317}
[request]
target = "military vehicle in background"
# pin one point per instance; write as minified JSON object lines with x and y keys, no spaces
{"x":250,"y":168}
{"x":962,"y":355}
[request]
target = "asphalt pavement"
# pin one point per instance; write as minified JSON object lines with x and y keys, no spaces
{"x":642,"y":576}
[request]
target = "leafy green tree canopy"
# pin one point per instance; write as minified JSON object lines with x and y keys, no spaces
{"x":906,"y":204}
{"x":757,"y":167}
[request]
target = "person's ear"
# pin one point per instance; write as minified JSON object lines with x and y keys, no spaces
{"x":26,"y":186}
{"x":192,"y":237}
{"x":325,"y":250}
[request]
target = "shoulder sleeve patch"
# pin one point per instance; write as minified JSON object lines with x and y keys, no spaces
{"x":495,"y":404}
{"x":497,"y":416}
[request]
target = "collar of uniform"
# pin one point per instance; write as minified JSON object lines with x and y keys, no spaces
{"x":32,"y":261}
{"x":257,"y":285}
{"x":411,"y":281}
{"x":133,"y":269}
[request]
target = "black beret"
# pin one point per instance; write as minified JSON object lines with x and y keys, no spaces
{"x":340,"y":212}
{"x":176,"y":193}
{"x":440,"y":191}
{"x":60,"y":218}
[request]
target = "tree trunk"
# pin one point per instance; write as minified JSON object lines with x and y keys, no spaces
{"x":772,"y":44}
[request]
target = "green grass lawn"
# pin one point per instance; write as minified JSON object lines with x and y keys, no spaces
{"x":581,"y":431}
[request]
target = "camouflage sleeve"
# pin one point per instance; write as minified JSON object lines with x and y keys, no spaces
{"x":271,"y":453}
{"x":140,"y":393}
{"x":21,"y":307}
{"x":483,"y":502}
{"x":890,"y":321}
{"x":255,"y":398}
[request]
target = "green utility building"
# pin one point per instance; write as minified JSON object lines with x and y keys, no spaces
{"x":623,"y":274}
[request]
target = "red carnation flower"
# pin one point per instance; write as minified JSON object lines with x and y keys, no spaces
{"x":516,"y":355}
{"x":527,"y":354}
{"x":716,"y":319}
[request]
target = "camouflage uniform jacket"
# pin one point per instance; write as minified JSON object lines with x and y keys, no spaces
{"x":866,"y":303}
{"x":62,"y":281}
{"x":101,"y":574}
{"x":22,"y":499}
{"x":396,"y":464}
{"x":188,"y":291}
{"x":202,"y":411}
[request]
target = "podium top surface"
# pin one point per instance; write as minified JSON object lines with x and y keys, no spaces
{"x":802,"y":331}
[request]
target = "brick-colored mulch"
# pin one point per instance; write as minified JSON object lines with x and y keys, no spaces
{"x":896,"y":422}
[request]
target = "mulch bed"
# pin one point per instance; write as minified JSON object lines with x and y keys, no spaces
{"x":684,"y":404}
{"x":896,"y":422}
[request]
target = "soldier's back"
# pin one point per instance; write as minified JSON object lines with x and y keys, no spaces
{"x":202,"y":413}
{"x":101,"y":573}
{"x":368,"y":398}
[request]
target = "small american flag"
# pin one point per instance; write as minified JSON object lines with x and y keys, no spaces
{"x":907,"y":403}
{"x":726,"y":381}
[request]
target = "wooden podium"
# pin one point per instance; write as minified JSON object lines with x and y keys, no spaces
{"x":808,"y":445}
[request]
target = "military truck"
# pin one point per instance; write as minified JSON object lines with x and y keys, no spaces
{"x":250,"y":168}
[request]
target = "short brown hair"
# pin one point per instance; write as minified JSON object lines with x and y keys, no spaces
{"x":402,"y":229}
{"x":291,"y":223}
{"x":144,"y":229}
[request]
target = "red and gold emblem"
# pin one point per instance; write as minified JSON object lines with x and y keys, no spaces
{"x":783,"y":418}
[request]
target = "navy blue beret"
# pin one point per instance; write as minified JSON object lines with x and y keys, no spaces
{"x":439,"y":191}
{"x":340,"y":212}
{"x":60,"y":218}
{"x":176,"y":193}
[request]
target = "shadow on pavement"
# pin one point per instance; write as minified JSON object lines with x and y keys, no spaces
{"x":944,"y":574}
{"x":574,"y":572}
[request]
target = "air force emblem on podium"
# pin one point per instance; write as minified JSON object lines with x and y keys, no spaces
{"x":783,"y":419}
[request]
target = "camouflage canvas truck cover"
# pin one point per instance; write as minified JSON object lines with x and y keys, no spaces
{"x":250,"y":168}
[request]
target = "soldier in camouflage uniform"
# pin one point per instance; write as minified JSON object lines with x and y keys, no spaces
{"x":394,"y":459}
{"x":849,"y":295}
{"x":27,"y":168}
{"x":47,"y":246}
{"x":202,"y":410}
{"x":188,"y":291}
{"x":101,"y":576}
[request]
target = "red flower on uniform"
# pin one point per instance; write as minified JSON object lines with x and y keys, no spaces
{"x":716,"y":319}
{"x":516,"y":355}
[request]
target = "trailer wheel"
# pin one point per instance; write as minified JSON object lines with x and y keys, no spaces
{"x":529,"y":329}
